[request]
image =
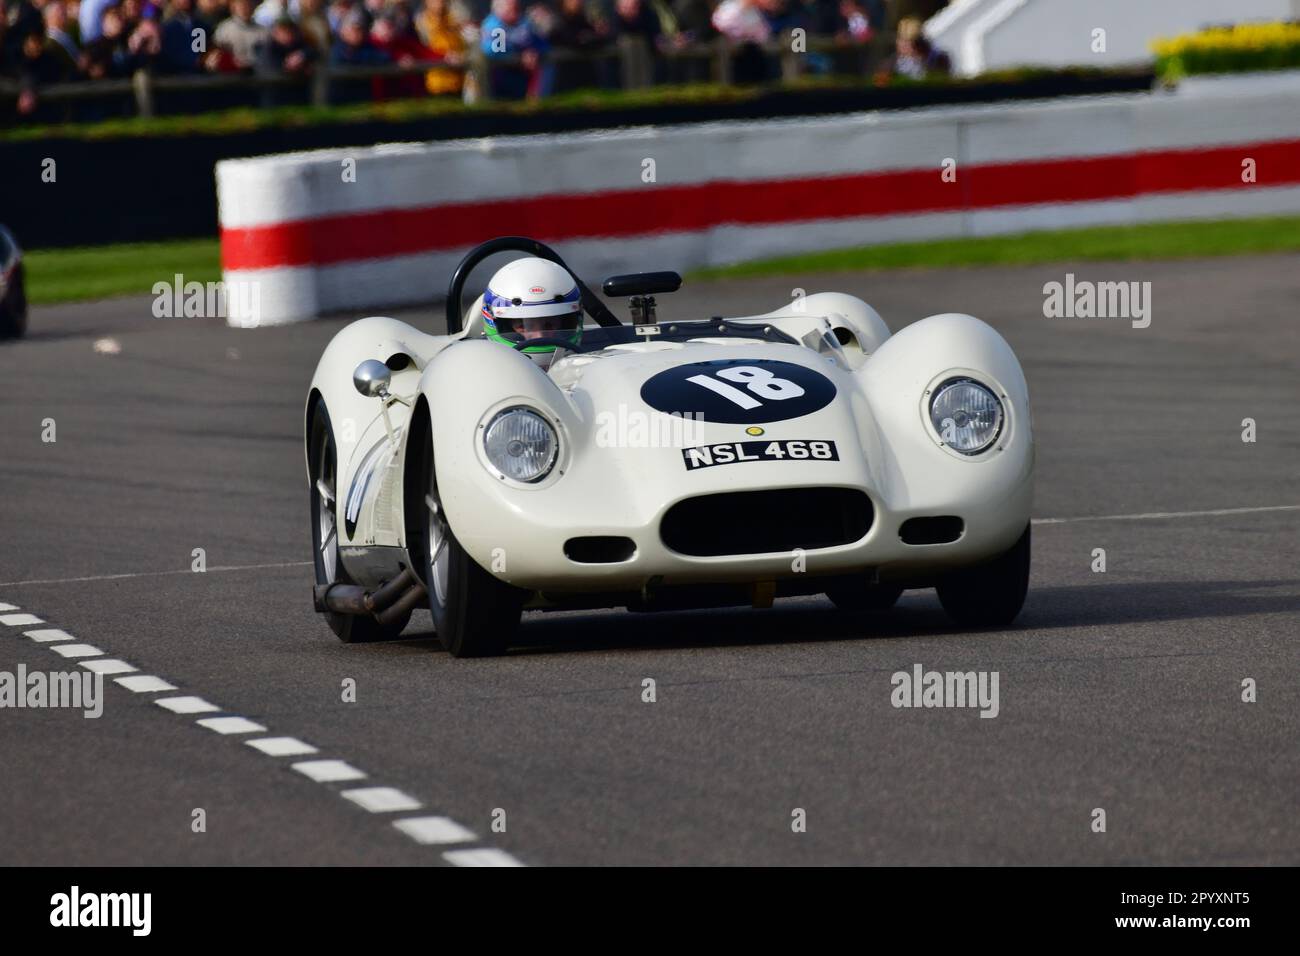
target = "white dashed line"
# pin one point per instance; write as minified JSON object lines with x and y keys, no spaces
{"x":429,"y":830}
{"x":143,"y":683}
{"x":231,"y":725}
{"x":480,"y":858}
{"x":149,"y":574}
{"x":433,"y":830}
{"x":76,"y":650}
{"x":14,"y":620}
{"x":329,"y":771}
{"x":282,"y":747}
{"x":382,"y":799}
{"x":107,"y":665}
{"x":187,"y":705}
{"x":1151,"y":515}
{"x":45,"y":635}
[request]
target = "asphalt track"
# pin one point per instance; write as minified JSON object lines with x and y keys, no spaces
{"x":1119,"y":690}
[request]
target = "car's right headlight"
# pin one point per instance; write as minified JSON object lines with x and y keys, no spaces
{"x":967,"y":416}
{"x":521,"y":444}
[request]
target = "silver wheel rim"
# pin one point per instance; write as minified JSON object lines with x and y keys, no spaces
{"x":439,"y":561}
{"x":325,"y":519}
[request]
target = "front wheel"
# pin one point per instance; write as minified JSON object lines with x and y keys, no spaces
{"x":991,"y":594}
{"x":349,"y":628}
{"x":474,"y":613}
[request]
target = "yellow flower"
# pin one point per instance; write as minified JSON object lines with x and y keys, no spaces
{"x":1242,"y":38}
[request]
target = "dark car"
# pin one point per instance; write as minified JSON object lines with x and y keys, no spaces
{"x":13,"y":297}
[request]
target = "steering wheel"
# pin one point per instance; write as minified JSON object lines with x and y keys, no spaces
{"x":456,"y":308}
{"x":566,"y":344}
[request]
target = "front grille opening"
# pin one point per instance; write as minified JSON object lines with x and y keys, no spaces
{"x":943,"y":529}
{"x":762,"y":522}
{"x":598,"y":549}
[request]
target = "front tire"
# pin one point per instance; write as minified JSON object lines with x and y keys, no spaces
{"x":349,"y":628}
{"x":474,"y":613}
{"x":988,"y":595}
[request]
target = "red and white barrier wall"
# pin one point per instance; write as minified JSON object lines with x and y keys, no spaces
{"x":318,"y":239}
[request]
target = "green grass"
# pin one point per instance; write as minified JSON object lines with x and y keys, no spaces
{"x":69,"y":275}
{"x":1156,"y":241}
{"x":98,"y":272}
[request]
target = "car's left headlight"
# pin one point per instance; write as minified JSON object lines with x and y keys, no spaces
{"x":967,"y":416}
{"x":521,"y":444}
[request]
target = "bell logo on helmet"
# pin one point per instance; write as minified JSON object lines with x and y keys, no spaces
{"x":537,"y":290}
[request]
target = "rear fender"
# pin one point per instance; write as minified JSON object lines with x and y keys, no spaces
{"x":352,"y":413}
{"x":857,"y":326}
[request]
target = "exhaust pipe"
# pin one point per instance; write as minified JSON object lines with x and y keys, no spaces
{"x":340,"y":598}
{"x":402,"y":606}
{"x":387,"y":603}
{"x":384,"y":595}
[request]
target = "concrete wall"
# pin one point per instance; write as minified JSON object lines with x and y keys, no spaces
{"x":729,"y":192}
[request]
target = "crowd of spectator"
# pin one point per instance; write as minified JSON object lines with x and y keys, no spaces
{"x":45,"y":42}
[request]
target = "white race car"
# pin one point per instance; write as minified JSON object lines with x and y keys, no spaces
{"x":517,"y":463}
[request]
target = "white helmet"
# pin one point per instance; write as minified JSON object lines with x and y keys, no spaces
{"x":533,"y":298}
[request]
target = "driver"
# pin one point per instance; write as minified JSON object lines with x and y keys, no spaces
{"x":533,"y":299}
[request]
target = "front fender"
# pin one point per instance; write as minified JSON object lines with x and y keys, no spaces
{"x":464,"y":387}
{"x":993,"y":490}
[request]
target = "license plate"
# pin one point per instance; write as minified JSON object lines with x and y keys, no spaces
{"x":734,"y":452}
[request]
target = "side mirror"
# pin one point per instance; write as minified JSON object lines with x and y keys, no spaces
{"x":371,"y":378}
{"x":642,"y":283}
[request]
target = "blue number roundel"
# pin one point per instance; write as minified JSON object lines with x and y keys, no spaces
{"x":740,"y":391}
